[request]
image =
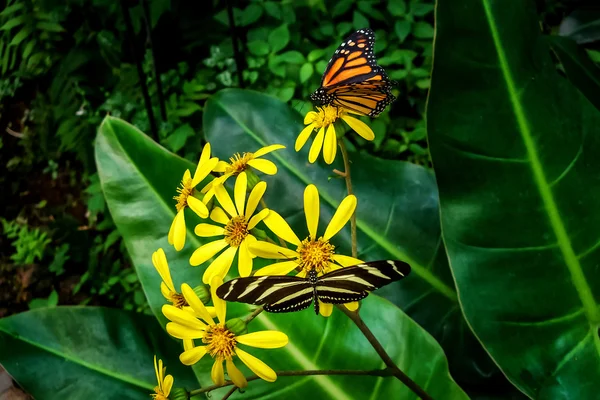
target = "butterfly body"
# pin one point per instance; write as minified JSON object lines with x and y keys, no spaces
{"x":353,"y":80}
{"x":291,"y":293}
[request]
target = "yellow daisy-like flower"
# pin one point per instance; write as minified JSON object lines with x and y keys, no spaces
{"x":165,"y":383}
{"x":326,"y":139}
{"x":239,"y":163}
{"x":238,"y":220}
{"x":218,"y":341}
{"x":159,"y":259}
{"x":186,"y":199}
{"x":313,"y":252}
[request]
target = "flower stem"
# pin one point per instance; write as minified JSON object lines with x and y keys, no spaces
{"x":228,"y":395}
{"x":348,"y":179}
{"x":375,"y":372}
{"x":391,"y":365}
{"x":253,"y":315}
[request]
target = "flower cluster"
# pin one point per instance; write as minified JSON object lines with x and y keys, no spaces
{"x":230,"y":230}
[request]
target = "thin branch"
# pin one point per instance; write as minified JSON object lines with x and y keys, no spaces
{"x":236,"y":51}
{"x":253,"y":315}
{"x":16,"y":134}
{"x":376,"y":372}
{"x":402,"y":377}
{"x":339,"y":173}
{"x":228,"y":395}
{"x":159,"y":89}
{"x":348,"y":178}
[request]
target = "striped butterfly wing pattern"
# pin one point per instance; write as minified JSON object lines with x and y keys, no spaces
{"x":353,"y":80}
{"x":288,"y":293}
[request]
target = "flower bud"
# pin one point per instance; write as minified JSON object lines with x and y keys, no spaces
{"x":237,"y":326}
{"x":259,"y":234}
{"x":179,"y":394}
{"x":203,"y":293}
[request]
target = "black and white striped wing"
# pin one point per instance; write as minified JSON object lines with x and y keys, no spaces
{"x":354,"y":283}
{"x":276,"y":293}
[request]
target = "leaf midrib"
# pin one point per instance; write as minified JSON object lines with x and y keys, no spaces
{"x":417,"y":268}
{"x":571,"y":261}
{"x":118,"y":376}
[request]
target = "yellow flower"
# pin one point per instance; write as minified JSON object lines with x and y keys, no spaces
{"x":240,"y":163}
{"x":238,"y":221}
{"x":313,"y":252}
{"x":186,"y":199}
{"x":218,"y":341}
{"x":165,"y":383}
{"x":159,"y":259}
{"x":326,"y":138}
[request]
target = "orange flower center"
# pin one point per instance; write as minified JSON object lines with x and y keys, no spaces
{"x":184,"y":191}
{"x":239,"y":163}
{"x":177,"y":299}
{"x":236,"y":231}
{"x":220,"y":341}
{"x":159,"y":394}
{"x":327,"y":115}
{"x":315,"y":254}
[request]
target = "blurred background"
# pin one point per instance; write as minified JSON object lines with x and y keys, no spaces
{"x":65,"y":64}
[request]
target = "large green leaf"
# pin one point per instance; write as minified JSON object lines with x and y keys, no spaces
{"x":138,"y":177}
{"x":397,"y":216}
{"x":87,"y":352}
{"x":515,"y":149}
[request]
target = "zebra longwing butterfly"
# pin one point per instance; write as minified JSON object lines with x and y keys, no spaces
{"x":291,"y":293}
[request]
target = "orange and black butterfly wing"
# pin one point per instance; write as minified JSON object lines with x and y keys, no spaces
{"x":367,"y":98}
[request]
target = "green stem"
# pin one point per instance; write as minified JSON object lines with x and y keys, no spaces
{"x":253,"y":315}
{"x":348,"y":179}
{"x":376,"y":372}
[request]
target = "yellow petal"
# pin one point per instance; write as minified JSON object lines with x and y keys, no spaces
{"x":225,"y":200}
{"x":235,"y":374}
{"x":352,"y":306}
{"x":208,"y":230}
{"x":258,"y":217}
{"x":182,"y":317}
{"x":265,"y":166}
{"x":254,"y":198}
{"x":346,"y":261}
{"x":191,"y":357}
{"x":270,"y":250}
{"x":268,"y":149}
{"x":311,"y":209}
{"x":198,"y":207}
{"x":183,"y":332}
{"x":220,"y":266}
{"x":156,"y":370}
{"x":315,"y":148}
{"x":216,"y":373}
{"x":310,"y":117}
{"x":203,"y":170}
{"x":179,"y":231}
{"x":341,"y":216}
{"x":239,"y":191}
{"x":325,"y":309}
{"x":303,"y":137}
{"x":220,"y":305}
{"x":212,"y":311}
{"x":264,"y":339}
{"x":218,"y":215}
{"x":207,"y":251}
{"x":188,"y":344}
{"x":330,"y":145}
{"x":159,"y":260}
{"x":280,"y":268}
{"x":359,"y":127}
{"x":278,"y":226}
{"x":221,"y":166}
{"x":205,"y":155}
{"x":166,"y":292}
{"x":192,"y":299}
{"x":301,"y":274}
{"x":244,"y":260}
{"x":258,"y":367}
{"x":167,"y":385}
{"x":171,"y":236}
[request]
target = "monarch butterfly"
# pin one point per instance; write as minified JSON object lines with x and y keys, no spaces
{"x":353,"y":80}
{"x":291,"y":293}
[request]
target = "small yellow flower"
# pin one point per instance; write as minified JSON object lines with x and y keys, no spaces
{"x":326,"y":138}
{"x":165,"y":383}
{"x":159,"y":259}
{"x":239,"y":163}
{"x":238,"y":220}
{"x":218,"y":341}
{"x":185,"y":197}
{"x":313,"y":252}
